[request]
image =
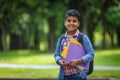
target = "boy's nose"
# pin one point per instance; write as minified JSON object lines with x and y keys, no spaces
{"x":71,"y":22}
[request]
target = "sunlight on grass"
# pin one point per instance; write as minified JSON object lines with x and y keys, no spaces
{"x":102,"y":57}
{"x":27,"y":57}
{"x":107,"y":57}
{"x":23,"y":51}
{"x":45,"y":73}
{"x":105,"y":73}
{"x":28,"y":73}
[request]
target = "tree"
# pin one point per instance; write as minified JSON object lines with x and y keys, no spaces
{"x":104,"y":8}
{"x":113,"y":18}
{"x":55,"y":10}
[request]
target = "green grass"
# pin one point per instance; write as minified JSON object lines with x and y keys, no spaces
{"x":106,"y":73}
{"x":49,"y":73}
{"x":28,"y":73}
{"x":102,"y":57}
{"x":26,"y":57}
{"x":107,"y":57}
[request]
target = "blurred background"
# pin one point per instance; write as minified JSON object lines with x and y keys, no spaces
{"x":37,"y":24}
{"x":29,"y":31}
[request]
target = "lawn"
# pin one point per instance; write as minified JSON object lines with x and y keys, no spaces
{"x":107,"y":57}
{"x":49,"y":73}
{"x":26,"y":57}
{"x":102,"y":57}
{"x":28,"y":73}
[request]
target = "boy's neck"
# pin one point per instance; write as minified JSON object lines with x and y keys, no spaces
{"x":71,"y":33}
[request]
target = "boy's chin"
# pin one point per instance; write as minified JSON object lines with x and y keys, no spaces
{"x":71,"y":30}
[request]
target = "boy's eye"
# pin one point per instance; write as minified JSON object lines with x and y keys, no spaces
{"x":68,"y":20}
{"x":74,"y":21}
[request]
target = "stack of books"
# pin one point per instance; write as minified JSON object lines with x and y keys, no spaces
{"x":74,"y":50}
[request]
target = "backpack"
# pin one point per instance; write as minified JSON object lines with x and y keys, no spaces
{"x":80,"y":39}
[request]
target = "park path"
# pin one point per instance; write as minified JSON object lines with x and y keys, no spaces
{"x":6,"y":65}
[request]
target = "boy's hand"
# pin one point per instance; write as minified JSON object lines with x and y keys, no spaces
{"x":62,"y":63}
{"x":76,"y":62}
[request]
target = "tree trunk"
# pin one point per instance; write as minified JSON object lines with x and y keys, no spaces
{"x":36,"y":38}
{"x":118,"y":35}
{"x":84,"y":20}
{"x":112,"y":39}
{"x":4,"y":26}
{"x":4,"y":43}
{"x":14,"y":42}
{"x":1,"y":39}
{"x":25,"y":39}
{"x":91,"y":31}
{"x":51,"y":36}
{"x":104,"y":35}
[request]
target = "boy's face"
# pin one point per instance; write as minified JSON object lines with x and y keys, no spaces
{"x":71,"y":23}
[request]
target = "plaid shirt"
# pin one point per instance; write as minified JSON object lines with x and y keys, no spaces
{"x":69,"y":70}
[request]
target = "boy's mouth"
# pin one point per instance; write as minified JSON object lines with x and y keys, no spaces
{"x":71,"y":27}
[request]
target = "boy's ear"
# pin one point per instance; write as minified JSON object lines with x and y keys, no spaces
{"x":78,"y":24}
{"x":64,"y":24}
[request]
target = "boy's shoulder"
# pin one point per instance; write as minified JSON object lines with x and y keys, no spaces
{"x":62,"y":36}
{"x":82,"y":34}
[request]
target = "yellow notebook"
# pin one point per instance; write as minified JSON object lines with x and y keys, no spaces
{"x":72,"y":40}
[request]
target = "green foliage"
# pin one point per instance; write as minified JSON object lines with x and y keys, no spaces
{"x":32,"y":3}
{"x":28,"y":20}
{"x":113,"y":15}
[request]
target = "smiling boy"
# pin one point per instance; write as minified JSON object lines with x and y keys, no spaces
{"x":68,"y":71}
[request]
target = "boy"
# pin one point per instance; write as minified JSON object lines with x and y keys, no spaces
{"x":69,"y":70}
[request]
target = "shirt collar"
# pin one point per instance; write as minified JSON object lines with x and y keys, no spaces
{"x":76,"y":33}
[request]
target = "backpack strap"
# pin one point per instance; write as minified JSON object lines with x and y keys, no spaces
{"x":80,"y":39}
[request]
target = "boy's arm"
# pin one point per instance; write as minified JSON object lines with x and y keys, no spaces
{"x":88,"y":50}
{"x":57,"y":54}
{"x":76,"y":62}
{"x":58,"y":58}
{"x":63,"y":63}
